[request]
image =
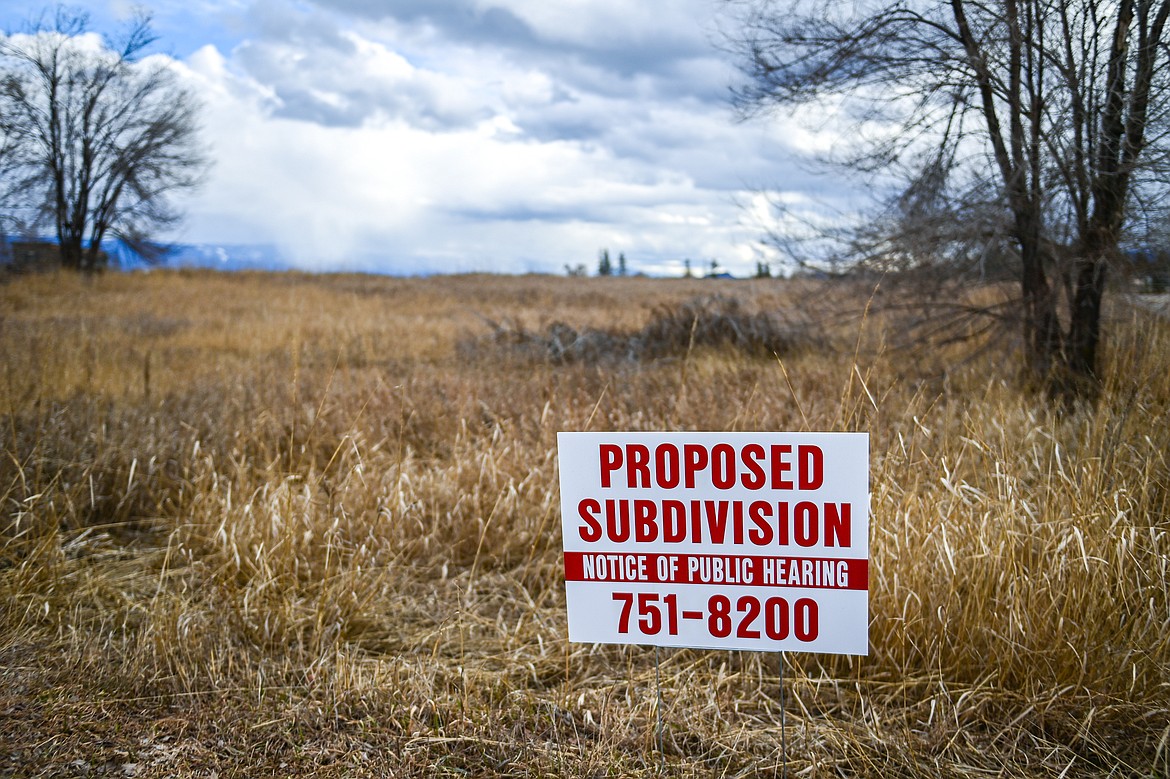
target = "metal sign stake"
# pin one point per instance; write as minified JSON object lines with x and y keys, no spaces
{"x":658,"y":687}
{"x":783,"y":728}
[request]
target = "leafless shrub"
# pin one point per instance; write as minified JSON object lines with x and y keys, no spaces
{"x":721,"y":322}
{"x":710,"y":322}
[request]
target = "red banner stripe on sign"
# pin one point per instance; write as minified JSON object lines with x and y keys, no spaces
{"x":751,"y":570}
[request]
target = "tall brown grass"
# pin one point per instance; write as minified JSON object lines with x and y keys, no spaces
{"x":290,"y":524}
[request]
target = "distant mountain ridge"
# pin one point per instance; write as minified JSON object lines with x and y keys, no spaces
{"x":231,"y":257}
{"x":227,"y":256}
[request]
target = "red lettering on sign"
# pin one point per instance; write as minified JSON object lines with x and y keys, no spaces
{"x":638,"y":468}
{"x":818,"y":573}
{"x":588,"y":510}
{"x":667,"y":466}
{"x":812,"y":470}
{"x":694,"y":460}
{"x":755,"y":477}
{"x":611,"y":460}
{"x":753,"y":466}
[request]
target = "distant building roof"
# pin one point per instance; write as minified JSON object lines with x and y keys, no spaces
{"x":28,"y":255}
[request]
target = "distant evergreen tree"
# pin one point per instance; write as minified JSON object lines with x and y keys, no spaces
{"x":622,"y":263}
{"x":604,"y":266}
{"x":687,"y":272}
{"x":763,"y":270}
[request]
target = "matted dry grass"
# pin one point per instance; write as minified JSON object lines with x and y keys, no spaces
{"x":293,"y":525}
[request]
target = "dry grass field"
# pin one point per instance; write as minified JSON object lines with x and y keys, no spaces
{"x":285,"y":525}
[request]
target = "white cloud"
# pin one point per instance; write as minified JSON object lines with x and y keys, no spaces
{"x":380,"y":143}
{"x":468,"y":199}
{"x":606,"y":23}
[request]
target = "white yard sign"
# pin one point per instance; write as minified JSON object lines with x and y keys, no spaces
{"x":717,"y":540}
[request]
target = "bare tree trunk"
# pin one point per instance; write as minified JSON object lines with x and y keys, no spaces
{"x":1041,"y":330}
{"x":1085,"y":325}
{"x":72,"y":254}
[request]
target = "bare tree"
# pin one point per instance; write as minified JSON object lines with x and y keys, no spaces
{"x":1037,"y":119}
{"x":102,"y":138}
{"x":11,"y":164}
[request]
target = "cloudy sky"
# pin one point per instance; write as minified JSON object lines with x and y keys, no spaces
{"x":420,"y":136}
